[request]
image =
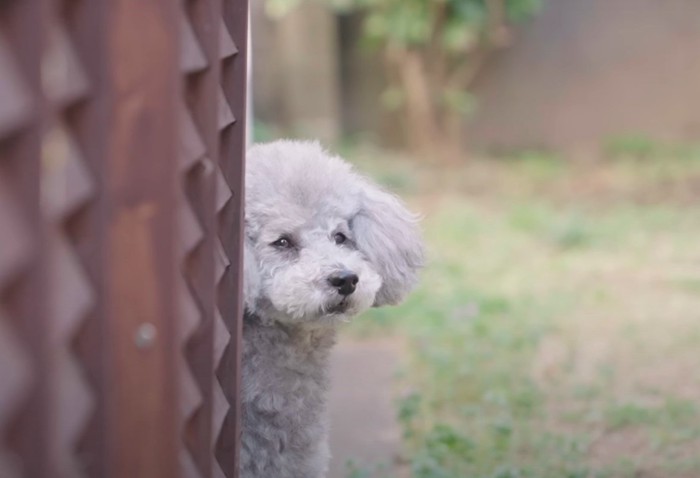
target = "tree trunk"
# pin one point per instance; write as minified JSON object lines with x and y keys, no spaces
{"x":421,"y":124}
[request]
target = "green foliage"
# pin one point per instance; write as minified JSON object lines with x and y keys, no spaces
{"x":262,"y":132}
{"x":513,"y":270}
{"x":392,"y":98}
{"x":404,"y":22}
{"x":457,"y":24}
{"x":634,"y":145}
{"x":674,"y":413}
{"x":432,"y":50}
{"x":640,"y":146}
{"x":571,"y":232}
{"x":280,"y":8}
{"x":519,"y":10}
{"x":458,"y":100}
{"x":355,"y":470}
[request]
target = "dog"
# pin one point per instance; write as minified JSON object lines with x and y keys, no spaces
{"x":322,"y":244}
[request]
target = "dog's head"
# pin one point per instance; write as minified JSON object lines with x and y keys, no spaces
{"x":321,"y":242}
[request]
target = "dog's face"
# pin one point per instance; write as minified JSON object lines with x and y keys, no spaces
{"x":322,"y":243}
{"x":309,"y":267}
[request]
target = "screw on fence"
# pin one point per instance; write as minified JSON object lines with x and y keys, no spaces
{"x":145,"y":336}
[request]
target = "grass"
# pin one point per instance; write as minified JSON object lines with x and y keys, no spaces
{"x":556,"y":330}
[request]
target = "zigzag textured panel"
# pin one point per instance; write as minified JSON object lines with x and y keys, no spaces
{"x":198,"y":258}
{"x":68,"y":193}
{"x":122,"y":136}
{"x":20,"y":373}
{"x":212,"y":140}
{"x":232,"y":45}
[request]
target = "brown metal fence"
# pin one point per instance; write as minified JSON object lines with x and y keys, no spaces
{"x":121,"y":158}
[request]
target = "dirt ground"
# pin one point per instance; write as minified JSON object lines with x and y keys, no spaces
{"x":364,"y":433}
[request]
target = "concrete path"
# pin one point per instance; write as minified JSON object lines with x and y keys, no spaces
{"x":363,"y":418}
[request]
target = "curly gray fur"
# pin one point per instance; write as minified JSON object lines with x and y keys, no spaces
{"x":331,"y":220}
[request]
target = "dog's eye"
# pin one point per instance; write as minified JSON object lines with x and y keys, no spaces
{"x":283,"y":243}
{"x":339,"y":238}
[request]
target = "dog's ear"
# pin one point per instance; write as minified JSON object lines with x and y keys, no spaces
{"x":251,"y":275}
{"x":387,"y":233}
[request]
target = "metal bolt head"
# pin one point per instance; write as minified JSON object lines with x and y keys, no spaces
{"x":145,"y":335}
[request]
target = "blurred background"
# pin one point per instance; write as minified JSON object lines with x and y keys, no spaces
{"x":553,"y":148}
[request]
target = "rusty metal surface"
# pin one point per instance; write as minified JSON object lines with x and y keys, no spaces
{"x":121,"y":176}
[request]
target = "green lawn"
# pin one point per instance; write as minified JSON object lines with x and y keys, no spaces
{"x":556,"y":330}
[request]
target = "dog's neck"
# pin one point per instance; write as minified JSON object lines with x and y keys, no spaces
{"x":283,"y":397}
{"x":303,"y":348}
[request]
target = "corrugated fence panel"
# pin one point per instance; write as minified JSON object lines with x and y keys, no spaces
{"x":85,"y":118}
{"x":122,"y":135}
{"x":23,"y":336}
{"x":70,"y":200}
{"x":233,"y":40}
{"x":198,"y":179}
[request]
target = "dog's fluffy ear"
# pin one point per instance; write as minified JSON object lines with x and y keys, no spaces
{"x":251,"y":276}
{"x":388,"y":234}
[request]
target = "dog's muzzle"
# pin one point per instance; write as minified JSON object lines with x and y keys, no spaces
{"x":344,"y":281}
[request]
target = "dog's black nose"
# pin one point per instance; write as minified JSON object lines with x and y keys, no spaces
{"x":344,"y":281}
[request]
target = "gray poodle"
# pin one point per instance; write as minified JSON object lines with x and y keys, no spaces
{"x":322,"y":244}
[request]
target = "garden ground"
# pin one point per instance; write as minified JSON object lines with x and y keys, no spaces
{"x":556,"y":330}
